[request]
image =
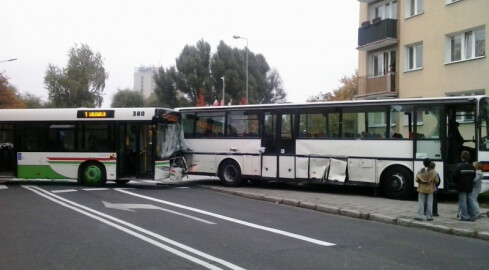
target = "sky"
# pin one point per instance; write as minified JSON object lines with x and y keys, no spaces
{"x":311,"y":43}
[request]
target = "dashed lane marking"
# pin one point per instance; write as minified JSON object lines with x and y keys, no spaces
{"x":64,"y":190}
{"x":95,"y":189}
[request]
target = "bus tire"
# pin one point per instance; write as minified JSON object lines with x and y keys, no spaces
{"x":397,"y":183}
{"x":93,"y":174}
{"x":230,"y":173}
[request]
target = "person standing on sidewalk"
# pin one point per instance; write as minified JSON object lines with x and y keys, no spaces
{"x":476,"y":189}
{"x":435,"y":194}
{"x":426,"y":179}
{"x":463,"y":177}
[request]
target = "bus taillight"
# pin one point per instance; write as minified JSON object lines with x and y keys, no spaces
{"x":485,"y":166}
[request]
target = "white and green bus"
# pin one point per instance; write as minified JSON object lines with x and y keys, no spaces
{"x":90,"y":145}
{"x":376,"y":143}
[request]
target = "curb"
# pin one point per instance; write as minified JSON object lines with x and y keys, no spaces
{"x":406,"y":222}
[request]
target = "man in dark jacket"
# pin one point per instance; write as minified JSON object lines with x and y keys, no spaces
{"x":464,"y":179}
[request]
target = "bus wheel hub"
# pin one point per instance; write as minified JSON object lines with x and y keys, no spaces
{"x":397,"y":182}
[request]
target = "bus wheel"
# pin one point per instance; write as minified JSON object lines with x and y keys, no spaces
{"x":397,"y":183}
{"x":93,"y":174}
{"x":230,"y":174}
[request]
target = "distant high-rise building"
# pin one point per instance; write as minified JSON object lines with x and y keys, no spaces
{"x":143,"y":80}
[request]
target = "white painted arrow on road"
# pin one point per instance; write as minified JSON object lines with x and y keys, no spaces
{"x":132,"y":206}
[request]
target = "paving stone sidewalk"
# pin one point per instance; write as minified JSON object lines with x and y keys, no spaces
{"x":379,"y":209}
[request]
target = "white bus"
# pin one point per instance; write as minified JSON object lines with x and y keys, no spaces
{"x":91,"y":145}
{"x":377,"y":143}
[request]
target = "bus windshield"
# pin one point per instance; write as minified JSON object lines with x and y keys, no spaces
{"x":484,"y":118}
{"x":168,"y":140}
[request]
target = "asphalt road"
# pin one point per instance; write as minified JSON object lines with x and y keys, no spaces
{"x":148,"y":226}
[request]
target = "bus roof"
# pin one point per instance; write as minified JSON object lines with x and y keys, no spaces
{"x":373,"y":102}
{"x":80,"y":114}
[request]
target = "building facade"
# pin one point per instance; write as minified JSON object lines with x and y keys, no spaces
{"x":422,"y":48}
{"x":143,"y":80}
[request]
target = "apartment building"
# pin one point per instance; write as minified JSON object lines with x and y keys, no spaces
{"x":422,"y":48}
{"x":143,"y":80}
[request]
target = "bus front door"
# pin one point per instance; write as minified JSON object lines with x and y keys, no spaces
{"x":135,"y":155}
{"x":278,"y":144}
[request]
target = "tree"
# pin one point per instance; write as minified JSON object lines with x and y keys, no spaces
{"x":275,"y":92}
{"x":347,"y":91}
{"x":153,"y":101}
{"x":193,"y":67}
{"x":264,"y":86}
{"x":125,"y":98}
{"x":197,"y":77}
{"x":33,"y":101}
{"x":9,"y":98}
{"x":166,"y":88}
{"x":81,"y":83}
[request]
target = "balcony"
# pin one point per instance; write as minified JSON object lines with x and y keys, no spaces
{"x":384,"y":86}
{"x":378,"y":34}
{"x":366,"y":1}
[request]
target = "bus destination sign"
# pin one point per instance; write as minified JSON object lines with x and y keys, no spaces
{"x":95,"y":114}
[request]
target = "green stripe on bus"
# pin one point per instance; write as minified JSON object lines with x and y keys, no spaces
{"x":162,"y":163}
{"x":38,"y":171}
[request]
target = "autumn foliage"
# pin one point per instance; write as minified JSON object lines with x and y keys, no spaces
{"x":200,"y":99}
{"x":347,"y":91}
{"x":8,"y":95}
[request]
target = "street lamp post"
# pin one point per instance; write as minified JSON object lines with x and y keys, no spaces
{"x":239,"y":37}
{"x":223,"y":85}
{"x":8,"y":60}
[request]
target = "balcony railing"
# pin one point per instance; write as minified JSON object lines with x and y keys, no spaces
{"x":378,"y":34}
{"x":377,"y":85}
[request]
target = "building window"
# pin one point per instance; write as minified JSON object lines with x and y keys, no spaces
{"x":414,"y":55}
{"x":381,"y":62}
{"x":466,"y":45}
{"x":414,"y":7}
{"x":384,"y":10}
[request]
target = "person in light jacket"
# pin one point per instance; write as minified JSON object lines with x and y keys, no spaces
{"x":426,"y":178}
{"x":476,"y":189}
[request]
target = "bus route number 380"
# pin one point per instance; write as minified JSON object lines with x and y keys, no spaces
{"x":137,"y":113}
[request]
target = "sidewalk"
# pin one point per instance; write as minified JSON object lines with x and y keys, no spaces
{"x":359,"y":206}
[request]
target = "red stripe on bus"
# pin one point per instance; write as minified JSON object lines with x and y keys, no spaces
{"x":61,"y":159}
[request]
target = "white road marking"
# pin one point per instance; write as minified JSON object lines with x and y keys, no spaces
{"x":95,"y":189}
{"x":130,"y":206}
{"x":3,"y":187}
{"x":245,"y":223}
{"x":64,"y":190}
{"x":107,"y":219}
